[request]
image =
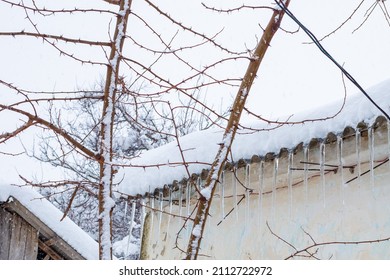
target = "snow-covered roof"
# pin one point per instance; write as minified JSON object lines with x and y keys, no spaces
{"x":48,"y":214}
{"x":201,"y":147}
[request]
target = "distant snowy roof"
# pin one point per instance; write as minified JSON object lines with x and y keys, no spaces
{"x":51,"y":216}
{"x":202,"y":146}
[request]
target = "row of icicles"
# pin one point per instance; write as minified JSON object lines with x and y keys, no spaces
{"x":163,"y":203}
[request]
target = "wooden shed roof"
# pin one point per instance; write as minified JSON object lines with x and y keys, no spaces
{"x":64,"y":237}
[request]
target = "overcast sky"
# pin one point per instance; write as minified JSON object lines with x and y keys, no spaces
{"x":293,"y":77}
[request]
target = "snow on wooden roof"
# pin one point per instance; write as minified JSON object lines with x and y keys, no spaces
{"x":50,"y":216}
{"x":166,"y":164}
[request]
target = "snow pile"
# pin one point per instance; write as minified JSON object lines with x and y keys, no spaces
{"x":51,"y":216}
{"x":163,"y":165}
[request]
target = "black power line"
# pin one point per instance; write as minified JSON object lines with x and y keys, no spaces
{"x":327,"y":54}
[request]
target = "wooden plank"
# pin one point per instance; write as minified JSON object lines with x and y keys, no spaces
{"x":5,"y":233}
{"x":62,"y":247}
{"x":31,"y":250}
{"x":22,"y":237}
{"x":18,"y":238}
{"x":24,"y":240}
{"x":49,"y":251}
{"x":16,"y":246}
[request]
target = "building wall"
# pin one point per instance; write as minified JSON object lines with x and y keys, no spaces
{"x":18,"y":239}
{"x":325,"y":196}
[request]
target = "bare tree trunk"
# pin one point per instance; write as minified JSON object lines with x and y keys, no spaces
{"x":106,"y":203}
{"x":228,"y":137}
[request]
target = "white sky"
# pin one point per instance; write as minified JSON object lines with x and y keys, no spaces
{"x":292,"y":78}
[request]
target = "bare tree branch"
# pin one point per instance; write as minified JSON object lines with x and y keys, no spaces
{"x":228,"y":137}
{"x":56,"y":37}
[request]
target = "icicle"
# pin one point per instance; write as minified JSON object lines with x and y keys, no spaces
{"x":247,"y":193}
{"x":358,"y":141}
{"x":188,"y":210}
{"x":170,"y":201}
{"x":340,"y":169}
{"x":274,"y":182}
{"x":143,"y":210}
{"x":261,"y":187}
{"x":180,"y":205}
{"x":169,"y":207}
{"x":306,"y":175}
{"x":152,"y":212}
{"x":289,"y":181}
{"x":131,"y":226}
{"x":142,"y":216}
{"x":160,"y":208}
{"x":222,"y":194}
{"x":372,"y":155}
{"x":125,"y":214}
{"x":322,"y":172}
{"x":188,"y":199}
{"x":234,"y":183}
{"x":180,"y":198}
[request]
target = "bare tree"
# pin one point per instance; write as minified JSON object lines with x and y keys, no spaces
{"x":222,"y":156}
{"x":88,"y":147}
{"x":138,"y":94}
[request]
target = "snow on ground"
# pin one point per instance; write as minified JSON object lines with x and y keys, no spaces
{"x":51,"y":216}
{"x":202,"y":146}
{"x":126,"y":248}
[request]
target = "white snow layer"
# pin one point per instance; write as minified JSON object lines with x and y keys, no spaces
{"x":202,"y":146}
{"x":51,"y":216}
{"x":126,"y":247}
